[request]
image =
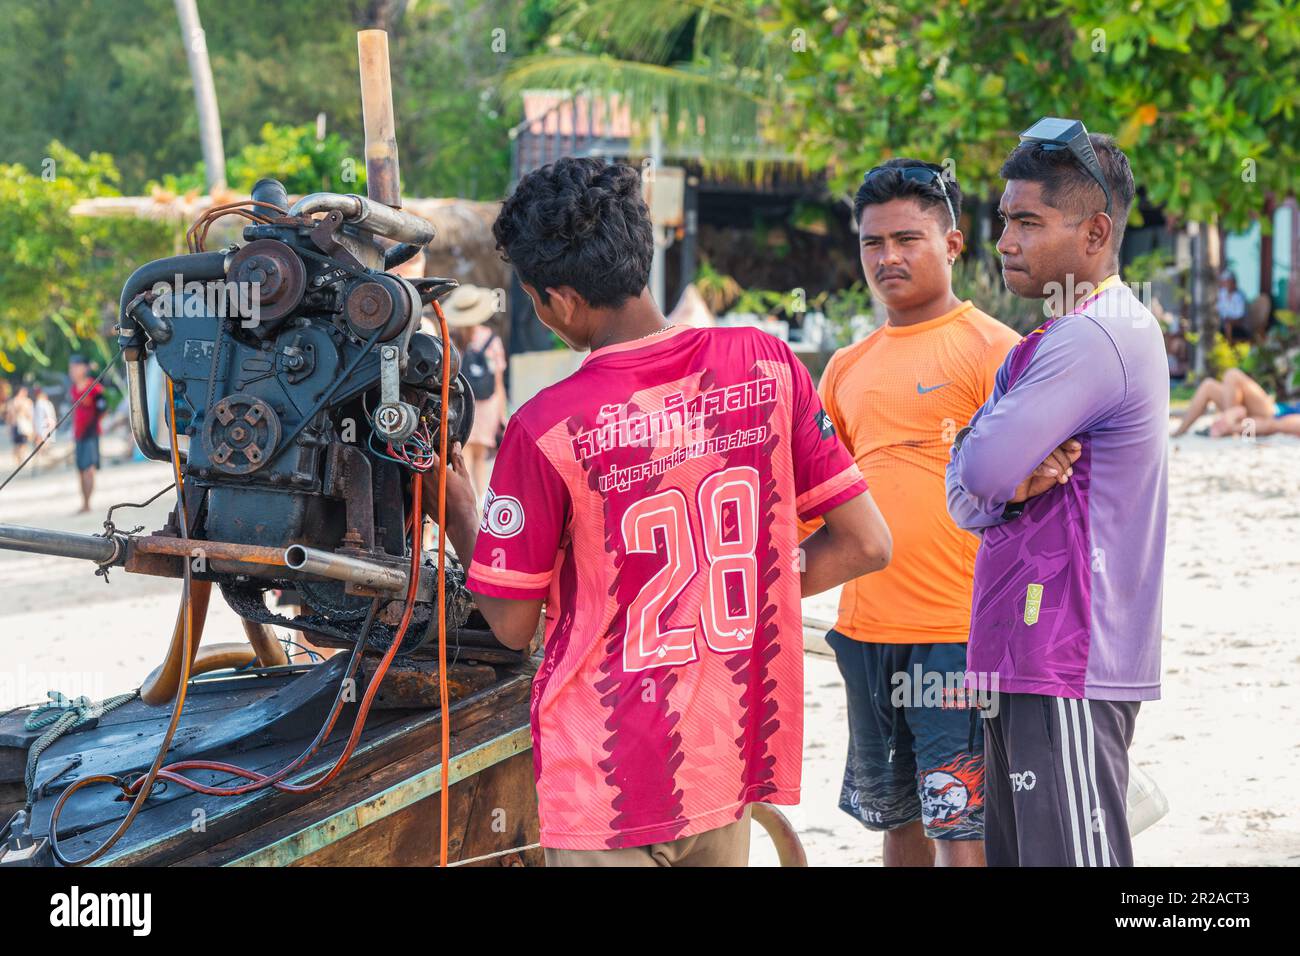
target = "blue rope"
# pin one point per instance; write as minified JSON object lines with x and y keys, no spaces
{"x":62,"y":714}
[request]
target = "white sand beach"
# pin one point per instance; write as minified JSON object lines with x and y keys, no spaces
{"x":1220,"y":742}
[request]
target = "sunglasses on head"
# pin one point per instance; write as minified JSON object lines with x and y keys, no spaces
{"x":1052,"y":133}
{"x":919,"y":174}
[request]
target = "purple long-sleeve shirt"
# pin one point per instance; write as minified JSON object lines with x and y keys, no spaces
{"x":1067,"y":598}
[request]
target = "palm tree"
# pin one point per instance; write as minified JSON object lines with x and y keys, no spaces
{"x":205,"y":94}
{"x":702,"y":74}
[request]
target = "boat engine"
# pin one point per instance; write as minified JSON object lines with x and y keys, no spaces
{"x":306,"y":393}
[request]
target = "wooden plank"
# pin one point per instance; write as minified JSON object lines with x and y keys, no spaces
{"x":406,"y":838}
{"x":491,"y":811}
{"x":364,"y":829}
{"x":348,"y":813}
{"x":416,"y":685}
{"x":504,"y":816}
{"x":167,"y":836}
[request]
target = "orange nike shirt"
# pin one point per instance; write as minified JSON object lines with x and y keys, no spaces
{"x":897,"y":399}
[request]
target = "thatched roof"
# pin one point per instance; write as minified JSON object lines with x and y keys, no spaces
{"x":463,"y":248}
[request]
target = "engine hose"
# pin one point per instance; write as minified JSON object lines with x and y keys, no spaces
{"x":151,"y":775}
{"x":394,"y":256}
{"x":259,"y":781}
{"x":196,"y":267}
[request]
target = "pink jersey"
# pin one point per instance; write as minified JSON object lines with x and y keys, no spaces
{"x":651,"y":499}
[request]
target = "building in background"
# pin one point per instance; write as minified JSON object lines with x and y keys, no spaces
{"x":755,"y":216}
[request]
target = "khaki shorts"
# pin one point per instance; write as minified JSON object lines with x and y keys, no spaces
{"x":725,"y":846}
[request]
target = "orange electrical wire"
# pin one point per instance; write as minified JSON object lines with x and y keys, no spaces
{"x":259,"y":781}
{"x":195,"y":242}
{"x":143,"y":784}
{"x":442,"y":587}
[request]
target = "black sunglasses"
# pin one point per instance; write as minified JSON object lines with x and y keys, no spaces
{"x":919,"y":174}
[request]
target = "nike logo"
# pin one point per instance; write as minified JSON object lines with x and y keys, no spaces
{"x":921,"y":390}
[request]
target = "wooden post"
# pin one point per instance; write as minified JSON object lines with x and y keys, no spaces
{"x":1293,"y":277}
{"x":383,"y":179}
{"x":1266,"y":249}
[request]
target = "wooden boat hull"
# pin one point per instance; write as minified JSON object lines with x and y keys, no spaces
{"x":381,"y":810}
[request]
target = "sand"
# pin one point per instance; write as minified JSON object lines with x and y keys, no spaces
{"x":1220,"y":742}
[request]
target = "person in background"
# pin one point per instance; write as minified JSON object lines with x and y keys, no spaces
{"x":85,"y":424}
{"x":1175,"y":340}
{"x":20,"y":416}
{"x":1240,"y":399}
{"x":1232,"y":309}
{"x":896,"y":398}
{"x":6,"y":398}
{"x":483,"y":363}
{"x":44,"y":418}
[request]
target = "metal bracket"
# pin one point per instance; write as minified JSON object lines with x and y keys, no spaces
{"x":394,"y":419}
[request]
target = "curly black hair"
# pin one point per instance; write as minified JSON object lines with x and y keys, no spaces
{"x":579,"y":223}
{"x":879,"y":186}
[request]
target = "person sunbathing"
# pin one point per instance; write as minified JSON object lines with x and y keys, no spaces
{"x":1239,"y":399}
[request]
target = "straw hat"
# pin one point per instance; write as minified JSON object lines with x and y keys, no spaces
{"x":469,"y":305}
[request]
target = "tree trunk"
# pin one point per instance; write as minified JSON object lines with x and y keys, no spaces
{"x":205,"y":94}
{"x":1266,"y":251}
{"x":1206,"y":263}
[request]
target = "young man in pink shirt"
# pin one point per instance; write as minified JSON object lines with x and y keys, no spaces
{"x":650,"y":501}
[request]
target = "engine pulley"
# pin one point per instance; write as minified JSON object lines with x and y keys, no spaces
{"x":276,"y":272}
{"x":241,"y":432}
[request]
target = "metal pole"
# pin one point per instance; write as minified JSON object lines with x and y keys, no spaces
{"x":63,"y":544}
{"x":340,"y":567}
{"x":657,"y":263}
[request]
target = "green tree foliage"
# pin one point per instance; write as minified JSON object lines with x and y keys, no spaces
{"x":111,"y":76}
{"x":1202,"y":94}
{"x":291,"y":154}
{"x":61,"y":274}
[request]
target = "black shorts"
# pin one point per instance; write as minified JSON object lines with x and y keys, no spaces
{"x":1058,"y":781}
{"x":87,"y":452}
{"x":913,"y":755}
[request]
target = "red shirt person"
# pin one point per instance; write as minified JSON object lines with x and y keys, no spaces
{"x":86,"y":417}
{"x":651,"y":501}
